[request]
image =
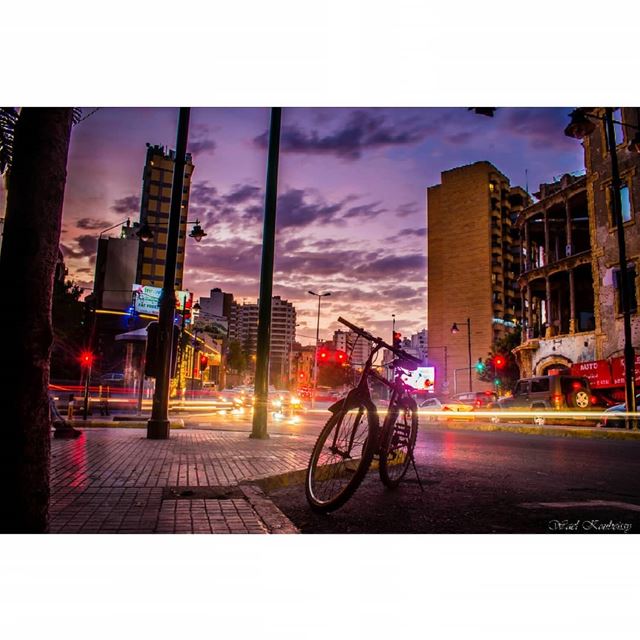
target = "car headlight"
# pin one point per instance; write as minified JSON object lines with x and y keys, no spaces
{"x":277,"y":403}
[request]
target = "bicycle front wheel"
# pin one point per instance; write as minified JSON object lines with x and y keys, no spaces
{"x":399,"y":440}
{"x":341,"y":457}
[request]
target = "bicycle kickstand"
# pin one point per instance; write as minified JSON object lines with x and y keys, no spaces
{"x":415,"y":469}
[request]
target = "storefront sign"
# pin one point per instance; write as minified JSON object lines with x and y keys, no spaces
{"x":597,"y":372}
{"x":147,"y":299}
{"x":617,"y":370}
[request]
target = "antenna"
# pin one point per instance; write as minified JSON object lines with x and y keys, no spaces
{"x":526,"y":180}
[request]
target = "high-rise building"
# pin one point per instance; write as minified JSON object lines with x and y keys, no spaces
{"x":157,"y":183}
{"x":243,"y":328}
{"x":356,"y":347}
{"x":473,"y":262}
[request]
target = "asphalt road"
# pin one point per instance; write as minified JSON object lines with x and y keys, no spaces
{"x":489,"y":482}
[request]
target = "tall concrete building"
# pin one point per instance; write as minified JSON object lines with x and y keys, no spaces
{"x":157,"y":182}
{"x":356,"y":347}
{"x":473,"y":262}
{"x":243,"y":328}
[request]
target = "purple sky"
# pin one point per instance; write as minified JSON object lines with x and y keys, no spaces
{"x":352,"y":196}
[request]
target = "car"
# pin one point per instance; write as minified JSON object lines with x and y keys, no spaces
{"x":610,"y":418}
{"x":112,"y":379}
{"x":284,"y":402}
{"x":471,"y":400}
{"x":549,"y":393}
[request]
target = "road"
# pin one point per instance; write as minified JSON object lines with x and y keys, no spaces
{"x":484,"y":482}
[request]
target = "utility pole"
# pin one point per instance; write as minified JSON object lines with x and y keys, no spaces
{"x":158,"y":425}
{"x":261,"y":388}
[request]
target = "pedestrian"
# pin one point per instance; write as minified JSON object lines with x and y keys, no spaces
{"x":104,"y":401}
{"x":71,"y":406}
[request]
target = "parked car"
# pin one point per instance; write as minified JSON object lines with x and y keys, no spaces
{"x":549,"y":393}
{"x":611,"y":418}
{"x":472,"y":399}
{"x":112,"y":380}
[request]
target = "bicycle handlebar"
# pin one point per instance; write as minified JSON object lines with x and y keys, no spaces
{"x":367,"y":336}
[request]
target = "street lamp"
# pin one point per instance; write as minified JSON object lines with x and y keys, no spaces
{"x":315,"y":359}
{"x":455,"y":329}
{"x":145,"y":233}
{"x":581,"y":126}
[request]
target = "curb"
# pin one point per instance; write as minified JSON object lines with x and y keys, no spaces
{"x":121,"y":424}
{"x":273,"y":518}
{"x":534,"y":430}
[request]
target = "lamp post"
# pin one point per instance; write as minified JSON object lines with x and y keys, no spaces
{"x":145,"y":233}
{"x":455,"y":329}
{"x":581,"y":126}
{"x":158,"y":425}
{"x":315,"y":358}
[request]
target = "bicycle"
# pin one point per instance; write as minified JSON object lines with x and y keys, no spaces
{"x":348,"y":442}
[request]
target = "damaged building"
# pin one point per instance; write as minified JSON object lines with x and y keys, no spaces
{"x":569,"y":284}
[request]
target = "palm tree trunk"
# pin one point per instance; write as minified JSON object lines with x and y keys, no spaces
{"x":27,"y":265}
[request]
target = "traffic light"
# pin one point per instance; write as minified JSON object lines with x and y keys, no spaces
{"x":397,"y":340}
{"x":341,"y":357}
{"x":86,"y":359}
{"x":323,"y":356}
{"x":498,"y":362}
{"x":204,"y":362}
{"x":480,"y":366}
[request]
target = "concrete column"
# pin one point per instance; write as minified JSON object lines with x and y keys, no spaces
{"x":529,"y":309}
{"x":527,"y":246}
{"x":546,"y":237}
{"x":547,"y":285}
{"x":572,"y":303}
{"x":569,"y":227}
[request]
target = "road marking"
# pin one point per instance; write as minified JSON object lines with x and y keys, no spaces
{"x":628,"y":506}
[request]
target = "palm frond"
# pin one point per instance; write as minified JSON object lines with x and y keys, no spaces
{"x":8,"y":120}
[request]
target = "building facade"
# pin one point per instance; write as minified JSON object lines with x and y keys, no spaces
{"x":473,"y":264}
{"x":570,"y":284}
{"x":556,"y":279}
{"x":243,"y":328}
{"x":155,"y":204}
{"x":356,"y":347}
{"x":115,"y":270}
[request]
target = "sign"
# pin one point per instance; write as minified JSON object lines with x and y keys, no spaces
{"x":422,"y":379}
{"x":597,"y":372}
{"x":617,"y":370}
{"x":147,"y":299}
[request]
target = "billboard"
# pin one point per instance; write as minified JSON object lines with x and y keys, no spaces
{"x":147,"y":299}
{"x":422,"y":379}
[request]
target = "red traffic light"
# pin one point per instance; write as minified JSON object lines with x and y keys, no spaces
{"x":86,"y":358}
{"x":499,"y":362}
{"x":341,"y":356}
{"x":204,"y":362}
{"x":323,"y":355}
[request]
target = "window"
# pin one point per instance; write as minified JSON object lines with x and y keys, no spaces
{"x":618,"y":129}
{"x":539,"y":385}
{"x":625,"y":202}
{"x":631,"y":287}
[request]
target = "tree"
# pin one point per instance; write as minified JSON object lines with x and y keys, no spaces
{"x":334,"y":374}
{"x":35,"y":192}
{"x":68,"y":329}
{"x":236,"y":360}
{"x":500,"y":367}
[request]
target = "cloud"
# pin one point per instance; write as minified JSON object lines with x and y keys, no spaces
{"x":128,"y":204}
{"x":201,"y":146}
{"x":86,"y":246}
{"x":407,"y":209}
{"x":401,"y":266}
{"x":92,"y":223}
{"x":362,"y":130}
{"x":543,"y":128}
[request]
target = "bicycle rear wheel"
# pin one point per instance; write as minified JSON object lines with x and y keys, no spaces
{"x":399,"y":439}
{"x":341,"y":457}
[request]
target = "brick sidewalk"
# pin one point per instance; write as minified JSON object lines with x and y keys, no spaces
{"x":117,"y":481}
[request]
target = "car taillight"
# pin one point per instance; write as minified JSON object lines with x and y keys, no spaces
{"x":478,"y":403}
{"x":594,"y":400}
{"x":556,"y":399}
{"x":576,"y":385}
